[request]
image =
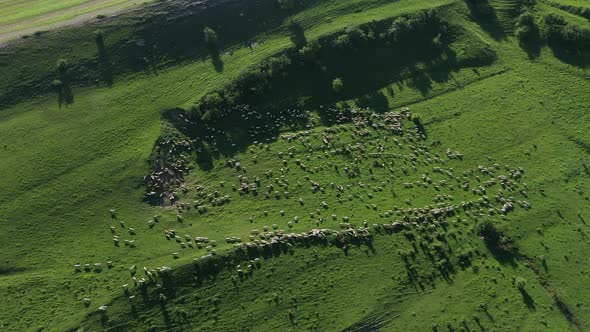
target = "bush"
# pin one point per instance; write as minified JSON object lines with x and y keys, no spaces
{"x":310,"y":51}
{"x":286,"y":4}
{"x":356,"y":36}
{"x":496,"y":235}
{"x":555,"y":29}
{"x":520,"y":283}
{"x":337,"y":85}
{"x":401,"y":26}
{"x":343,"y":41}
{"x":525,"y":27}
{"x":276,"y":65}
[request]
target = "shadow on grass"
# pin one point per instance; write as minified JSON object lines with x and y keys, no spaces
{"x":216,"y":61}
{"x":297,"y":34}
{"x":485,"y":16}
{"x":528,"y":300}
{"x":574,"y":57}
{"x":533,"y":44}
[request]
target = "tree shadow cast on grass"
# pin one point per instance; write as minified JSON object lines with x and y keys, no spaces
{"x":486,"y":17}
{"x":527,"y":298}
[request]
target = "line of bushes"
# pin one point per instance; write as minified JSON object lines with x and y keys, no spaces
{"x":253,"y":85}
{"x":555,"y":29}
{"x":580,"y":11}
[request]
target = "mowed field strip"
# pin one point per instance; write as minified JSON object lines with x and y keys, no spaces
{"x":19,"y":17}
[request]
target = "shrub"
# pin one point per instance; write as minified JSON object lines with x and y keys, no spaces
{"x":401,"y":26}
{"x":520,"y":283}
{"x":556,"y":29}
{"x":343,"y":41}
{"x":310,"y":51}
{"x":337,"y":85}
{"x":276,"y":65}
{"x":526,"y":28}
{"x":356,"y":35}
{"x":495,"y":235}
{"x":286,"y":4}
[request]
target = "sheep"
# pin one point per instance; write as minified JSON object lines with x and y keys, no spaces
{"x":131,"y":231}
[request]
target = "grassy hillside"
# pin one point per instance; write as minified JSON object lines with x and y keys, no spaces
{"x":62,"y":170}
{"x":22,"y":18}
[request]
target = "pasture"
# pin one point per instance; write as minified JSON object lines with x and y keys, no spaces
{"x":332,"y":167}
{"x":20,"y":18}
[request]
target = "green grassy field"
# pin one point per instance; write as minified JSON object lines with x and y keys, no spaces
{"x":19,"y":18}
{"x":575,"y":3}
{"x":63,"y":169}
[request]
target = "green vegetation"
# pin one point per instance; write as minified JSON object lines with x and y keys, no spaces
{"x":298,"y":165}
{"x":576,"y":7}
{"x":17,"y":18}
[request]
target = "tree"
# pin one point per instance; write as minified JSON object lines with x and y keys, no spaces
{"x":286,"y":4}
{"x":104,"y":61}
{"x":525,"y":27}
{"x":337,"y":85}
{"x":343,"y":41}
{"x":62,"y":68}
{"x":356,"y":36}
{"x":520,"y":283}
{"x":210,"y":37}
{"x":297,"y":34}
{"x":310,"y":51}
{"x":62,"y":84}
{"x":496,"y":235}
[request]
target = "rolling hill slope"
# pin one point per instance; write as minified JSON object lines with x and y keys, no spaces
{"x":482,"y":108}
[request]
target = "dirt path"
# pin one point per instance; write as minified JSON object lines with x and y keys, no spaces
{"x":79,"y":14}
